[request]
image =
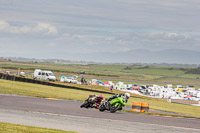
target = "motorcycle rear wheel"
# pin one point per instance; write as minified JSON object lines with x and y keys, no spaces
{"x":85,"y":104}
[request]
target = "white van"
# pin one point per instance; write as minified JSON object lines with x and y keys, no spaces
{"x":44,"y":75}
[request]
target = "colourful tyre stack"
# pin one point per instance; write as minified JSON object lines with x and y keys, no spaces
{"x":140,"y":107}
{"x":144,"y":107}
{"x":136,"y":107}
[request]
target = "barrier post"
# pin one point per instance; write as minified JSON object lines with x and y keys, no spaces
{"x":18,"y":72}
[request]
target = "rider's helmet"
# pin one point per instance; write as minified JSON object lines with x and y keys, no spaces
{"x":127,"y":95}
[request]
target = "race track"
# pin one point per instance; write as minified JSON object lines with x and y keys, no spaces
{"x":67,"y":115}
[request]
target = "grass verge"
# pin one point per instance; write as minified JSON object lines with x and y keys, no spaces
{"x":43,"y":91}
{"x":16,"y":128}
{"x":164,"y":115}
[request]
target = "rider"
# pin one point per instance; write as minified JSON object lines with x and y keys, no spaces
{"x":125,"y":96}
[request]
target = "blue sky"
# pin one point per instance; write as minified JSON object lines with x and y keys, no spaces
{"x":68,"y":28}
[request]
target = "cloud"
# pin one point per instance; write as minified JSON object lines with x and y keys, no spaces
{"x":160,"y":36}
{"x":122,"y":42}
{"x":124,"y":49}
{"x":81,"y":37}
{"x":165,"y":40}
{"x":3,"y":25}
{"x":169,"y":36}
{"x":44,"y":28}
{"x":92,"y":26}
{"x":109,"y":39}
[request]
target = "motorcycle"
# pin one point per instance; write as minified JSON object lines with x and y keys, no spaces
{"x":113,"y":105}
{"x":92,"y":101}
{"x":104,"y":105}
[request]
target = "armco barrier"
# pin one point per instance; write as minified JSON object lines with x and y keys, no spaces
{"x":140,"y":107}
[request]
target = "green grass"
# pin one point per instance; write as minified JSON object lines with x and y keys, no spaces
{"x":16,"y":128}
{"x":143,"y":73}
{"x":192,"y":76}
{"x":36,"y":90}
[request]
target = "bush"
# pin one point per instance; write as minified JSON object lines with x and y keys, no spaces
{"x":127,"y":68}
{"x":193,"y":71}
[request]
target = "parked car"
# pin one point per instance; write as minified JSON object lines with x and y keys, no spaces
{"x":72,"y":79}
{"x":22,"y":74}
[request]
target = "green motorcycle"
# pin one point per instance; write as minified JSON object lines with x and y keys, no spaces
{"x":113,"y":105}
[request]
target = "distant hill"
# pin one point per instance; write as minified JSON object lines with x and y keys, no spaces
{"x":145,"y":56}
{"x":169,"y":58}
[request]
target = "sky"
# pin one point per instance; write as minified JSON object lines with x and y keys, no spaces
{"x":68,"y":29}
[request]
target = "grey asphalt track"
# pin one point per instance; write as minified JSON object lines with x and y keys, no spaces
{"x":30,"y":111}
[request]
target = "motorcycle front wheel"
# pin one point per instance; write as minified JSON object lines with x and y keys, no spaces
{"x":102,"y":107}
{"x":113,"y":109}
{"x":85,"y":104}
